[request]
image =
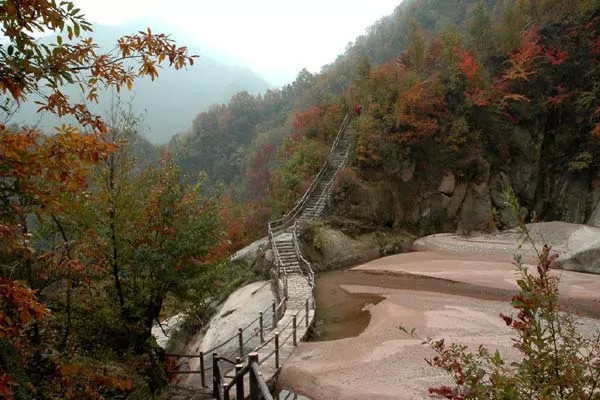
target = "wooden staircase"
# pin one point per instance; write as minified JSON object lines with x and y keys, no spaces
{"x":292,"y":314}
{"x":288,"y":260}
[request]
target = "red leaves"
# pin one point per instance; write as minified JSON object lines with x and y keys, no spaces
{"x":555,"y":56}
{"x":561,"y":96}
{"x":468,"y":65}
{"x":522,"y":62}
{"x":6,"y":385}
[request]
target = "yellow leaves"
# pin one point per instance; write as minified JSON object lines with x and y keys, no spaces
{"x":148,"y":68}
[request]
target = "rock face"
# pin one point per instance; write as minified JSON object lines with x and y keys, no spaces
{"x":448,"y":184}
{"x":330,"y":248}
{"x":256,"y":256}
{"x":476,"y":211}
{"x":429,"y":193}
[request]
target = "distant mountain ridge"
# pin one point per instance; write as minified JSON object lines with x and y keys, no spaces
{"x":171,"y":102}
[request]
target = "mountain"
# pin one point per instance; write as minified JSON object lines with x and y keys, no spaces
{"x":171,"y":102}
{"x":463,"y":100}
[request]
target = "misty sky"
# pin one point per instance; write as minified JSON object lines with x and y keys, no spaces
{"x":275,"y":38}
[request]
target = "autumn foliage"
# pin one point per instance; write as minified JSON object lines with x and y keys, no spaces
{"x":44,"y":184}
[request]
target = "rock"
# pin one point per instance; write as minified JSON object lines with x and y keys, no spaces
{"x":506,"y":217}
{"x":499,"y":183}
{"x":332,"y":248}
{"x":521,"y":140}
{"x":269,"y":256}
{"x":524,"y":177}
{"x":254,"y":256}
{"x":372,"y":203}
{"x":456,"y":200}
{"x":448,"y":184}
{"x":594,"y":214}
{"x":475,"y":214}
{"x":594,"y":218}
{"x":340,"y":250}
{"x":433,"y":212}
{"x":583,"y":251}
{"x":571,"y":196}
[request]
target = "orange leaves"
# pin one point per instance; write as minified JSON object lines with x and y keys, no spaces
{"x":19,"y":308}
{"x":521,"y":62}
{"x":307,"y":122}
{"x":32,"y":65}
{"x":417,"y":112}
{"x":85,"y":382}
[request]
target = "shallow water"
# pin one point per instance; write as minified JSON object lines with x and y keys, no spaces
{"x":340,"y":314}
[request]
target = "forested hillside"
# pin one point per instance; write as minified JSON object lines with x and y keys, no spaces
{"x":462,"y":100}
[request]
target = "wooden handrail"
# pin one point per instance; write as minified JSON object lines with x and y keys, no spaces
{"x":276,"y":225}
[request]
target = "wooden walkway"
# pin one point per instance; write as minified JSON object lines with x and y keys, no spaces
{"x":221,"y":371}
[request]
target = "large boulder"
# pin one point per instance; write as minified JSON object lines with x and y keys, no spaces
{"x":330,"y":248}
{"x":583,"y":251}
{"x":256,"y":256}
{"x":476,"y":211}
{"x":372,"y":203}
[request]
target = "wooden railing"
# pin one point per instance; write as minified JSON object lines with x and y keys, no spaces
{"x":305,"y":265}
{"x":239,"y":355}
{"x":254,"y":330}
{"x":236,"y":360}
{"x":288,"y":219}
{"x":258,"y":386}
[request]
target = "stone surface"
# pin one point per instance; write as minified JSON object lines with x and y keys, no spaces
{"x":476,"y":211}
{"x":382,"y":362}
{"x":338,"y":249}
{"x":583,"y":251}
{"x":333,"y":248}
{"x":448,"y":184}
{"x":163,"y":332}
{"x":594,"y":218}
{"x":457,"y":199}
{"x":254,"y":256}
{"x":578,"y":246}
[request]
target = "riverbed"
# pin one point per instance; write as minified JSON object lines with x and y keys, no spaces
{"x":358,"y":350}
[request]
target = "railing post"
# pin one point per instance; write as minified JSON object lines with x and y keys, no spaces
{"x":306,"y":309}
{"x":239,"y":382}
{"x":276,"y":350}
{"x":225,"y":392}
{"x":294,"y":330}
{"x":260,"y":322}
{"x":274,"y":315}
{"x":216,"y":379}
{"x":253,"y":379}
{"x":241,"y":341}
{"x":202,"y":370}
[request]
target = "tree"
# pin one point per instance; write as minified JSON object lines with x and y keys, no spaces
{"x":44,"y":179}
{"x":480,"y":32}
{"x":417,"y":47}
